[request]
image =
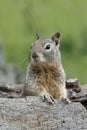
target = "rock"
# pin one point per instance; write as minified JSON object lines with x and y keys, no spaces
{"x":9,"y":73}
{"x":31,"y":113}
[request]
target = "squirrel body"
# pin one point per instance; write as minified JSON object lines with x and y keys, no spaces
{"x":45,"y":75}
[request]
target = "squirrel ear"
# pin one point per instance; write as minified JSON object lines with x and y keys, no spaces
{"x":55,"y":38}
{"x":37,"y":36}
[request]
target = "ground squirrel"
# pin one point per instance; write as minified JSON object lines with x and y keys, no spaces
{"x":45,"y":75}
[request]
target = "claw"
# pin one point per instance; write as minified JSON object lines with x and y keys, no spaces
{"x":48,"y":98}
{"x":66,"y":100}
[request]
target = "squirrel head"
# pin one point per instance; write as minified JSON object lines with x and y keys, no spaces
{"x":46,"y":49}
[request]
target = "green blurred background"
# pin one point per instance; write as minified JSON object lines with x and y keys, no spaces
{"x":21,"y":19}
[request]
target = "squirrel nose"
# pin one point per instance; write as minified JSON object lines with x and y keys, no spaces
{"x":34,"y":55}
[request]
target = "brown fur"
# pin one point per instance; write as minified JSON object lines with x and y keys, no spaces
{"x":47,"y":75}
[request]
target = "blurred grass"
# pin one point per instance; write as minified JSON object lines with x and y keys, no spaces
{"x":20,"y":19}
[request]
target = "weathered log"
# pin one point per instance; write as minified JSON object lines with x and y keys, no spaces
{"x":11,"y":91}
{"x":73,"y":84}
{"x":76,"y":92}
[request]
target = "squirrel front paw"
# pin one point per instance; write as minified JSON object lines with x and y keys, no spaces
{"x":66,"y":100}
{"x":48,"y":98}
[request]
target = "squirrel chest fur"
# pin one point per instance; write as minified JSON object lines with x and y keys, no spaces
{"x":45,"y":75}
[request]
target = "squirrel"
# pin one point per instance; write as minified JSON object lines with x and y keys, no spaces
{"x":45,"y":75}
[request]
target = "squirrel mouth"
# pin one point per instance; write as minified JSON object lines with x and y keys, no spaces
{"x":35,"y":57}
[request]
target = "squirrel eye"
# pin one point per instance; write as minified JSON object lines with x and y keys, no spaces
{"x":47,"y":47}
